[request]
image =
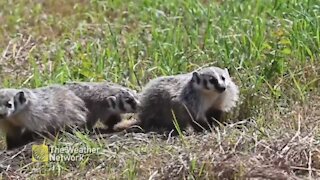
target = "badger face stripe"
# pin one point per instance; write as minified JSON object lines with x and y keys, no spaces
{"x":113,"y":104}
{"x":205,"y":84}
{"x":213,"y":80}
{"x":131,"y":102}
{"x":15,"y":103}
{"x":121,"y":105}
{"x":133,"y":105}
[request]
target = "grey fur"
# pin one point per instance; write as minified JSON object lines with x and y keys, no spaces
{"x":193,"y":97}
{"x":42,"y":110}
{"x":105,"y":101}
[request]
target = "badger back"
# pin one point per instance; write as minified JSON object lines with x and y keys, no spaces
{"x":53,"y":107}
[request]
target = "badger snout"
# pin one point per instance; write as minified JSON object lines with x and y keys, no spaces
{"x":221,"y":88}
{"x":135,"y":105}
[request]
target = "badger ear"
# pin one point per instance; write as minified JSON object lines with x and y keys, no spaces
{"x":195,"y":77}
{"x":20,"y":98}
{"x":112,"y":101}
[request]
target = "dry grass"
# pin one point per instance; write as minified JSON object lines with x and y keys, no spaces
{"x":238,"y":150}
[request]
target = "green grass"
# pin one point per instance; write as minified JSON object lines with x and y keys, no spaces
{"x":271,"y":48}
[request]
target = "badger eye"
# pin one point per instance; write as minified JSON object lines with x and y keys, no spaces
{"x":223,"y":78}
{"x":129,"y":100}
{"x":213,"y":80}
{"x":8,"y":105}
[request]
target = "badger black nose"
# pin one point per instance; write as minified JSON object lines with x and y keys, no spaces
{"x":221,"y":89}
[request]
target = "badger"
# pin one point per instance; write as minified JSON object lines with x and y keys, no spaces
{"x":106,"y":101}
{"x":27,"y":113}
{"x":196,"y":99}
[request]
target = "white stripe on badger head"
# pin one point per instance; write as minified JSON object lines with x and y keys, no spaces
{"x":218,"y":77}
{"x":112,"y":102}
{"x":226,"y":72}
{"x":130,"y":93}
{"x":135,"y":92}
{"x":134,"y":95}
{"x":227,"y":77}
{"x":221,"y":82}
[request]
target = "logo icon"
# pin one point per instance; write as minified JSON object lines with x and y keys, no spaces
{"x":40,"y":153}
